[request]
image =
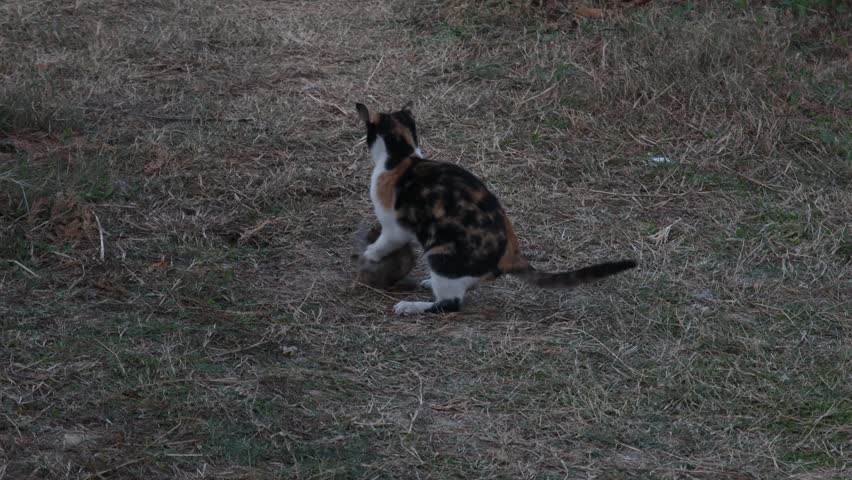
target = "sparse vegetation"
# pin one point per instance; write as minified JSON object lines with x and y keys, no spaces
{"x":179,"y":182}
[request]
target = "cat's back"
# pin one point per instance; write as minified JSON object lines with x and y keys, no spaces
{"x":433,"y":172}
{"x":448,"y":207}
{"x":434,"y":182}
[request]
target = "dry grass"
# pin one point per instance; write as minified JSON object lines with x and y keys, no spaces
{"x":179,"y":180}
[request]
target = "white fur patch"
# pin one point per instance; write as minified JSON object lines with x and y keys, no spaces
{"x":450,"y":288}
{"x":386,"y":216}
{"x":379,"y":151}
{"x":393,"y":235}
{"x":411,"y":308}
{"x":444,"y":289}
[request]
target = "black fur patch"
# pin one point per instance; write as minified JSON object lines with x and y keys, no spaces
{"x":466,"y":235}
{"x":445,"y":306}
{"x":575,"y":277}
{"x":602,"y":270}
{"x":404,"y":117}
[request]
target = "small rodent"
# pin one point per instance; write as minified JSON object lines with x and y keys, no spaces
{"x":391,"y":271}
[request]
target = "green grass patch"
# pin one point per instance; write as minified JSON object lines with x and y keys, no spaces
{"x":236,"y":442}
{"x":486,"y":71}
{"x":786,"y":225}
{"x":36,"y":103}
{"x":804,"y":8}
{"x":88,"y":175}
{"x":445,"y":34}
{"x":555,"y":73}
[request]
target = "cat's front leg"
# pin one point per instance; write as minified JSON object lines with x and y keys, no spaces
{"x":389,"y":241}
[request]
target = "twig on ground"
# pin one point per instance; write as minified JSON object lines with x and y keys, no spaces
{"x":242,"y":349}
{"x":117,"y":358}
{"x":756,"y":182}
{"x":117,"y":467}
{"x":370,"y":78}
{"x":165,"y":118}
{"x":24,"y":267}
{"x":100,"y":234}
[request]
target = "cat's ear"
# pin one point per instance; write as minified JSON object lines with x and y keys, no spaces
{"x":407,"y":107}
{"x":364,"y":113}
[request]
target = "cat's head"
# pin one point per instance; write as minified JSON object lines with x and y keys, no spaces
{"x":393,"y":132}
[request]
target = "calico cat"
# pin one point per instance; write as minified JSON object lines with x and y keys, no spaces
{"x":465,"y":234}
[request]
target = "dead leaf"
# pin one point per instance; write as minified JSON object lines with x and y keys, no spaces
{"x":161,"y":265}
{"x":63,"y":204}
{"x":110,"y":283}
{"x":589,"y":12}
{"x":74,"y":439}
{"x":39,"y":211}
{"x":662,"y":235}
{"x":8,"y":203}
{"x":63,"y":216}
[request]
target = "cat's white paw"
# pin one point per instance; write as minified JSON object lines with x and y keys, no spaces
{"x":370,"y":255}
{"x":427,"y":284}
{"x":411,"y":308}
{"x":366,"y":265}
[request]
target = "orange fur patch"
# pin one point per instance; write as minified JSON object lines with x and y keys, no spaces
{"x":512,"y":260}
{"x":386,"y":183}
{"x":438,"y":210}
{"x":477,"y":195}
{"x":442,"y":250}
{"x":404,"y":133}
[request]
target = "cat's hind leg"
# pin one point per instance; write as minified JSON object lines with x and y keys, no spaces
{"x":449,"y":296}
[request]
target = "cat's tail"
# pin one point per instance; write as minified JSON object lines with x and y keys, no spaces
{"x":574,"y":277}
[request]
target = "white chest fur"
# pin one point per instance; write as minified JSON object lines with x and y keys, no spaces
{"x":386,"y":215}
{"x":379,"y":153}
